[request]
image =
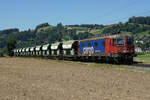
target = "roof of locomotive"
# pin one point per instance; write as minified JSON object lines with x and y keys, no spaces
{"x":109,"y":36}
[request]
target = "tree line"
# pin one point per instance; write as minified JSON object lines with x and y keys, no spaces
{"x":140,"y":20}
{"x":45,"y":33}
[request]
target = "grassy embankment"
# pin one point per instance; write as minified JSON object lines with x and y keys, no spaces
{"x":144,"y":58}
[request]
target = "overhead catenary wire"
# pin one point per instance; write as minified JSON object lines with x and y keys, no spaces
{"x":109,"y":12}
{"x":136,"y":14}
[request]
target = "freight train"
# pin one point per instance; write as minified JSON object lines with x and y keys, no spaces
{"x":117,"y":48}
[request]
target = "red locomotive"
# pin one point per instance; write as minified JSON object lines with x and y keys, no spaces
{"x":113,"y":48}
{"x":121,"y":48}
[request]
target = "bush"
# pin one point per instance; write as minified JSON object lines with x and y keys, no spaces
{"x":1,"y":54}
{"x":11,"y":44}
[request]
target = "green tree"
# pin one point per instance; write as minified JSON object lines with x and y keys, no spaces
{"x":84,"y":35}
{"x":41,"y":25}
{"x":1,"y":54}
{"x":60,"y":31}
{"x":11,"y":44}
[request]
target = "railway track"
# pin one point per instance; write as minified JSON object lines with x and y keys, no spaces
{"x":136,"y":65}
{"x":141,"y":65}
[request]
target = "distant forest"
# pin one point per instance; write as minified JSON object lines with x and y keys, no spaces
{"x":44,"y":33}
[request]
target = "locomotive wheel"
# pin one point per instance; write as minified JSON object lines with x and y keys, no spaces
{"x":130,"y":60}
{"x":117,"y":60}
{"x":111,"y":61}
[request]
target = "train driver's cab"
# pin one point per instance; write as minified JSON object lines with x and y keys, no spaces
{"x":123,"y":41}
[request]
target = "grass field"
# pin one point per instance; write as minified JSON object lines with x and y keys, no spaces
{"x":44,"y":79}
{"x":144,"y":58}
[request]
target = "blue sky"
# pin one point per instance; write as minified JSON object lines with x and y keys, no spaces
{"x":25,"y":14}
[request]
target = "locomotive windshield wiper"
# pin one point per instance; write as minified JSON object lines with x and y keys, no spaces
{"x":119,"y":41}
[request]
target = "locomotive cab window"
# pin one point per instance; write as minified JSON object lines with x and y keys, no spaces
{"x":129,"y":41}
{"x":119,"y":41}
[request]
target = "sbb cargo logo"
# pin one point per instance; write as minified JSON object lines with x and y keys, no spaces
{"x":88,"y":50}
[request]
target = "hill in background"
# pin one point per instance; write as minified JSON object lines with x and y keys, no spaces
{"x":44,"y":33}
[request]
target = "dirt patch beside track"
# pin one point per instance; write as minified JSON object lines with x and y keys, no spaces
{"x":38,"y":79}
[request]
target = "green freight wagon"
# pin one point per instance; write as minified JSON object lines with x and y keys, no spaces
{"x":46,"y":50}
{"x":15,"y":52}
{"x":19,"y":52}
{"x":23,"y":51}
{"x":56,"y":49}
{"x":28,"y":51}
{"x":38,"y":50}
{"x":32,"y":51}
{"x":70,"y":49}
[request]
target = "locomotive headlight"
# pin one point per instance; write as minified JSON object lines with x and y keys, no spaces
{"x":131,"y":50}
{"x":124,"y":51}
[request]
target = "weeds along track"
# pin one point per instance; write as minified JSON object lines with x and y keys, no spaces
{"x":142,"y":65}
{"x":135,"y":65}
